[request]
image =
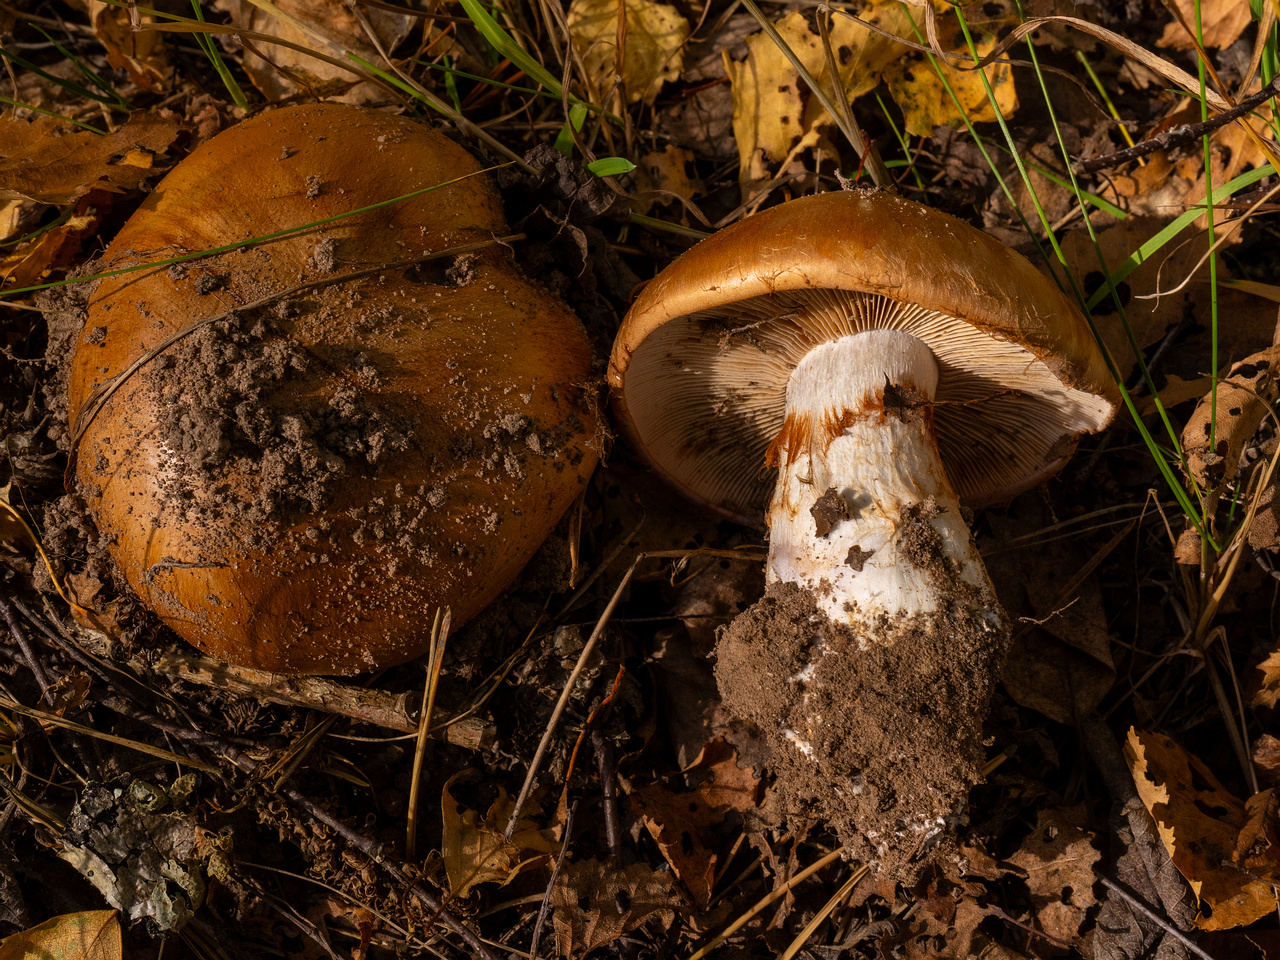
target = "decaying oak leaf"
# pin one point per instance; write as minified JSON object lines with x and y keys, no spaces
{"x":473,"y":848}
{"x":51,"y":162}
{"x":595,"y":903}
{"x":1230,"y":416}
{"x":1061,"y":662}
{"x":682,"y":823}
{"x":1201,"y":826}
{"x":651,"y":40}
{"x":1058,"y":857}
{"x":666,"y":176}
{"x":327,"y":27}
{"x":88,"y":935}
{"x":1221,"y":22}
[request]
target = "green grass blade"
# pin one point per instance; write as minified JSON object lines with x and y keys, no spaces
{"x":57,"y":116}
{"x":79,"y":89}
{"x":502,"y":42}
{"x":211,"y":51}
{"x":86,"y":71}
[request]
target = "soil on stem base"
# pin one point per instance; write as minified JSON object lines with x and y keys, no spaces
{"x":881,"y":742}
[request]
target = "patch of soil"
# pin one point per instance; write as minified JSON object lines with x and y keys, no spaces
{"x":226,"y":405}
{"x":882,"y":742}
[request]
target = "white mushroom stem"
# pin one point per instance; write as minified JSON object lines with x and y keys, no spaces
{"x":858,"y":475}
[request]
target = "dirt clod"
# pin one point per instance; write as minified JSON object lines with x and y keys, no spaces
{"x":882,"y":742}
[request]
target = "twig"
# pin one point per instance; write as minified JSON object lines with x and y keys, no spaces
{"x":374,"y":852}
{"x":20,"y":638}
{"x":551,"y":884}
{"x":578,"y":667}
{"x":393,"y":711}
{"x":609,"y":787}
{"x":1163,"y":923}
{"x":1180,"y":135}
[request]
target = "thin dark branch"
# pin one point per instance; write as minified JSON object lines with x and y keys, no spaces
{"x":28,"y":655}
{"x":555,"y":872}
{"x":1180,"y":135}
{"x":1160,"y":921}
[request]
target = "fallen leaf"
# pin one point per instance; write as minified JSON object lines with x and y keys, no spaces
{"x":1221,"y":23}
{"x":1200,"y":825}
{"x":665,"y":176}
{"x":1230,"y":416}
{"x":652,"y":40}
{"x":141,"y":54}
{"x":473,"y":848}
{"x":682,"y":822}
{"x":50,"y":162}
{"x":923,"y":98}
{"x":1058,"y":857}
{"x":1061,"y":660}
{"x":775,"y":113}
{"x":595,"y":903}
{"x":1149,"y":317}
{"x":88,"y":935}
{"x":1269,"y":692}
{"x":327,"y":27}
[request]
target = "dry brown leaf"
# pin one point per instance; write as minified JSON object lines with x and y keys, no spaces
{"x":1200,"y":824}
{"x":89,"y":935}
{"x":49,"y":162}
{"x":141,"y":54}
{"x":1061,"y":661}
{"x":1058,"y":857}
{"x":473,"y":848}
{"x":325,"y":26}
{"x":1230,"y":416}
{"x":595,"y":903}
{"x":1269,"y":692}
{"x":682,"y":822}
{"x":1221,"y":21}
{"x":32,"y":262}
{"x":653,"y":38}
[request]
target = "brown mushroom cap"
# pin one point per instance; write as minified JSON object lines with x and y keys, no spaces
{"x":700,"y":366}
{"x":298,"y":487}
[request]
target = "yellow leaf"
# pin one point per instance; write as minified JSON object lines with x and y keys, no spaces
{"x":1200,"y":824}
{"x":925,"y":101}
{"x":773,"y":110}
{"x":473,"y":848}
{"x":652,"y":42}
{"x":90,"y":935}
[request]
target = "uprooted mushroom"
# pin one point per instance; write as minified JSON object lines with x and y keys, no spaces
{"x":855,"y":367}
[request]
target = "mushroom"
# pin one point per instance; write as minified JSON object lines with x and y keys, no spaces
{"x":857,"y":366}
{"x":294,"y":467}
